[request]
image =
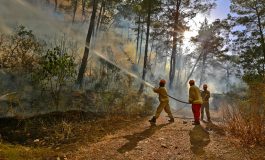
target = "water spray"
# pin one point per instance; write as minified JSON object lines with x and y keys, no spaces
{"x":8,"y":96}
{"x":133,"y":75}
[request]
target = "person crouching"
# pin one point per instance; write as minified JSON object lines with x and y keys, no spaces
{"x":164,"y":102}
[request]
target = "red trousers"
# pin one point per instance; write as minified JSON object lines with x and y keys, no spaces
{"x":196,"y":109}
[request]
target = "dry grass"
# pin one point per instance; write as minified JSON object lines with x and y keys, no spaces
{"x":15,"y":152}
{"x":245,"y":119}
{"x":50,"y":136}
{"x":64,"y":130}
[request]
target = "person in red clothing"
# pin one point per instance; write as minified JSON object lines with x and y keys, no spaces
{"x":196,"y":100}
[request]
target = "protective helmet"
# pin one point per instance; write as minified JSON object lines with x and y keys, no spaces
{"x":162,"y":81}
{"x":191,"y":82}
{"x":205,"y":86}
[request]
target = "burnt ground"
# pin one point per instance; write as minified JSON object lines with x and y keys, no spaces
{"x":55,"y":134}
{"x":76,"y":135}
{"x":179,"y":140}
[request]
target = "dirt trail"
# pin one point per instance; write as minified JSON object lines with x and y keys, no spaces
{"x":168,"y":141}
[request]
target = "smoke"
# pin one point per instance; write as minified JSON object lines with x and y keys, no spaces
{"x":39,"y":17}
{"x":113,"y":45}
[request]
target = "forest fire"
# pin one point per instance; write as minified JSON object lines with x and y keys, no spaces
{"x":91,"y":79}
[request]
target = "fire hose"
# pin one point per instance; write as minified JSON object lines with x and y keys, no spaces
{"x":178,"y":100}
{"x":152,"y":86}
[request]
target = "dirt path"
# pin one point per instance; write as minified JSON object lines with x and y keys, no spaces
{"x":169,"y":141}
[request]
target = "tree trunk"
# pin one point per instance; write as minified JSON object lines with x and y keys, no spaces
{"x":227,"y":78}
{"x":172,"y":69}
{"x":150,"y":55}
{"x":84,"y":9}
{"x":203,"y":69}
{"x":198,"y":59}
{"x":141,"y":43}
{"x":178,"y":79}
{"x":100,"y":14}
{"x":179,"y":68}
{"x":128,"y":33}
{"x":174,"y":46}
{"x":56,"y":5}
{"x":165,"y":65}
{"x":155,"y":58}
{"x":151,"y":49}
{"x":137,"y":38}
{"x":152,"y":45}
{"x":146,"y":46}
{"x":74,"y":11}
{"x":88,"y":38}
{"x":261,"y":38}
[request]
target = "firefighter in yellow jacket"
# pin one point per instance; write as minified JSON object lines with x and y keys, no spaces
{"x":196,"y":100}
{"x":205,"y":106}
{"x":164,"y":102}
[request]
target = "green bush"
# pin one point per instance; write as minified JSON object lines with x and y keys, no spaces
{"x":56,"y":70}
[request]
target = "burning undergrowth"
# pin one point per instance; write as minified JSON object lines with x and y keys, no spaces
{"x":42,"y":107}
{"x":43,"y":80}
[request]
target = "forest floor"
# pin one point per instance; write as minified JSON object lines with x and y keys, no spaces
{"x":120,"y":138}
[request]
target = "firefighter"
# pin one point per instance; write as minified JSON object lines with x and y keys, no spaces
{"x":196,"y":100}
{"x":205,"y":105}
{"x":164,"y":102}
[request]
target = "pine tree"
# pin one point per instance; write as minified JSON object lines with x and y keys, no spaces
{"x":249,"y":21}
{"x":210,"y":47}
{"x":178,"y":13}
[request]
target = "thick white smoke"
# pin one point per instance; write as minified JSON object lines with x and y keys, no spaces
{"x":39,"y":17}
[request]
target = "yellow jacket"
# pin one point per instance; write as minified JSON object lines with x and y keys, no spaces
{"x":195,"y":95}
{"x":162,"y":91}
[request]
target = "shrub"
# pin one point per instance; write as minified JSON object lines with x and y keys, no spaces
{"x":55,"y":71}
{"x":245,"y":119}
{"x":19,"y":52}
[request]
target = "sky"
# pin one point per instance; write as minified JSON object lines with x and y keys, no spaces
{"x":219,"y":12}
{"x":20,"y":12}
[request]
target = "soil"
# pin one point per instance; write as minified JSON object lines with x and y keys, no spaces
{"x":75,"y":135}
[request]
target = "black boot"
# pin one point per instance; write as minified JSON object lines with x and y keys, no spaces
{"x":196,"y":123}
{"x":171,"y":120}
{"x":153,"y":120}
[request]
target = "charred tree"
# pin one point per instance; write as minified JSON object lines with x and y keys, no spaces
{"x":137,"y":38}
{"x":146,"y":45}
{"x":102,"y":8}
{"x":82,"y":68}
{"x":172,"y":70}
{"x":141,"y":43}
{"x":74,"y":9}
